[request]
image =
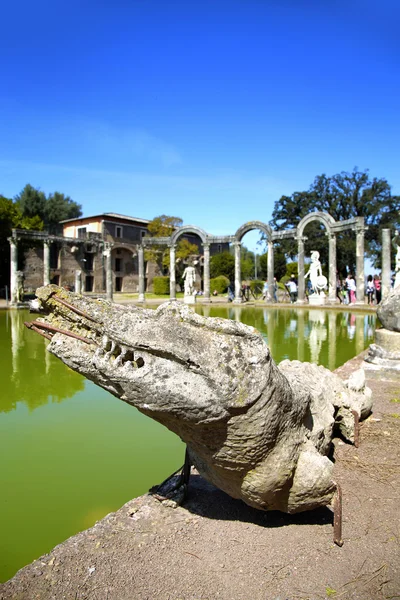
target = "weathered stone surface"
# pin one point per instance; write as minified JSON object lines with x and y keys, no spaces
{"x":389,"y":311}
{"x":258,"y":432}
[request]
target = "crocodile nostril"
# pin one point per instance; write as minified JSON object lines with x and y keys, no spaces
{"x":138,"y":362}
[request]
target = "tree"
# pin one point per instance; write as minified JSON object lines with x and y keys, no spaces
{"x":31,"y":202}
{"x":183,"y":251}
{"x":279,"y":263}
{"x":163,"y":226}
{"x":343,"y":196}
{"x":59,"y":208}
{"x":222,"y":264}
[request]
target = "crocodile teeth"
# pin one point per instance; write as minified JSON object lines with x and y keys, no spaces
{"x":111,"y":352}
{"x":121,"y":359}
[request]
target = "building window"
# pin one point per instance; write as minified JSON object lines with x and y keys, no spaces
{"x":82,"y":233}
{"x":118,"y":264}
{"x":219,"y":248}
{"x":118,"y":251}
{"x":118,"y":231}
{"x":142,"y":233}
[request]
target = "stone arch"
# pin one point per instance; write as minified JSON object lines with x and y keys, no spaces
{"x":249,"y":226}
{"x":245,"y":228}
{"x":324,"y":218}
{"x":189,"y":229}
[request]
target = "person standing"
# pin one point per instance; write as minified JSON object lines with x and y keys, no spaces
{"x":275,"y":290}
{"x":265,"y":290}
{"x":378,"y":291}
{"x":370,"y":290}
{"x":292,"y":287}
{"x":351,"y":287}
{"x":338,"y":288}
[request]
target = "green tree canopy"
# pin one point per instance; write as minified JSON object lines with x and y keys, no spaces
{"x":163,"y":226}
{"x":57,"y":207}
{"x":222,"y":264}
{"x":343,"y":196}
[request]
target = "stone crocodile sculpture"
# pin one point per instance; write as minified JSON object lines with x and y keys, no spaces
{"x":257,"y":431}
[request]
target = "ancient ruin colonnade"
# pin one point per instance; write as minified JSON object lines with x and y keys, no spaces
{"x":332,"y":227}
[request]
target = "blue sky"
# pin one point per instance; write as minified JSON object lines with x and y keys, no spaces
{"x":205,"y":110}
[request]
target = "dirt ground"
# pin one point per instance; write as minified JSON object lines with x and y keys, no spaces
{"x":218,"y":548}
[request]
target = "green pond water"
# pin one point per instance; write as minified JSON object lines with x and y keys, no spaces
{"x":71,"y":453}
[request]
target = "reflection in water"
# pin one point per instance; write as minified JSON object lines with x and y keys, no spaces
{"x":318,"y":333}
{"x":328,"y":338}
{"x":35,"y":376}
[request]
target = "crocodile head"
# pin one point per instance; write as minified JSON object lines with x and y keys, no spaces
{"x":170,"y":363}
{"x":211,"y":381}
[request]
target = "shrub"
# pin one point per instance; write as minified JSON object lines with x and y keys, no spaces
{"x":256,"y":286}
{"x":161,"y":285}
{"x":219,"y":283}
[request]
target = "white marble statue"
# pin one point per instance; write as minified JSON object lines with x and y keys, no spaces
{"x":189,"y":275}
{"x":318,"y":281}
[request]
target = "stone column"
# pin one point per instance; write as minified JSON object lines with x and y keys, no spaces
{"x":13,"y":270}
{"x":360,"y":277}
{"x":270,"y":275}
{"x":78,"y":282}
{"x":141,"y":273}
{"x":172,"y":276}
{"x":238,"y":274}
{"x":46,"y":262}
{"x":206,"y":271}
{"x":300,"y":259}
{"x":109,"y":274}
{"x":386,"y":262}
{"x":332,"y":268}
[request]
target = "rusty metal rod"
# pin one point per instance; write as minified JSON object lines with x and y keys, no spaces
{"x":37,"y":330}
{"x":337,"y":516}
{"x":64,"y":331}
{"x":356,"y":428}
{"x":73,"y":308}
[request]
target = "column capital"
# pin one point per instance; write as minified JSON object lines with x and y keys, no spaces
{"x":13,"y":241}
{"x":301,"y":238}
{"x":360,"y":228}
{"x":206,"y":245}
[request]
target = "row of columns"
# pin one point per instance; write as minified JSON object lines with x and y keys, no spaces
{"x":14,"y":266}
{"x":360,"y":283}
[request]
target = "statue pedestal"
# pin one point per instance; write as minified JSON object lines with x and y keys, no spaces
{"x":385,"y":353}
{"x":189,"y":299}
{"x":317,"y":299}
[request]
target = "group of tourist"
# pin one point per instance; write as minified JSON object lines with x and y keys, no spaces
{"x":346,"y":289}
